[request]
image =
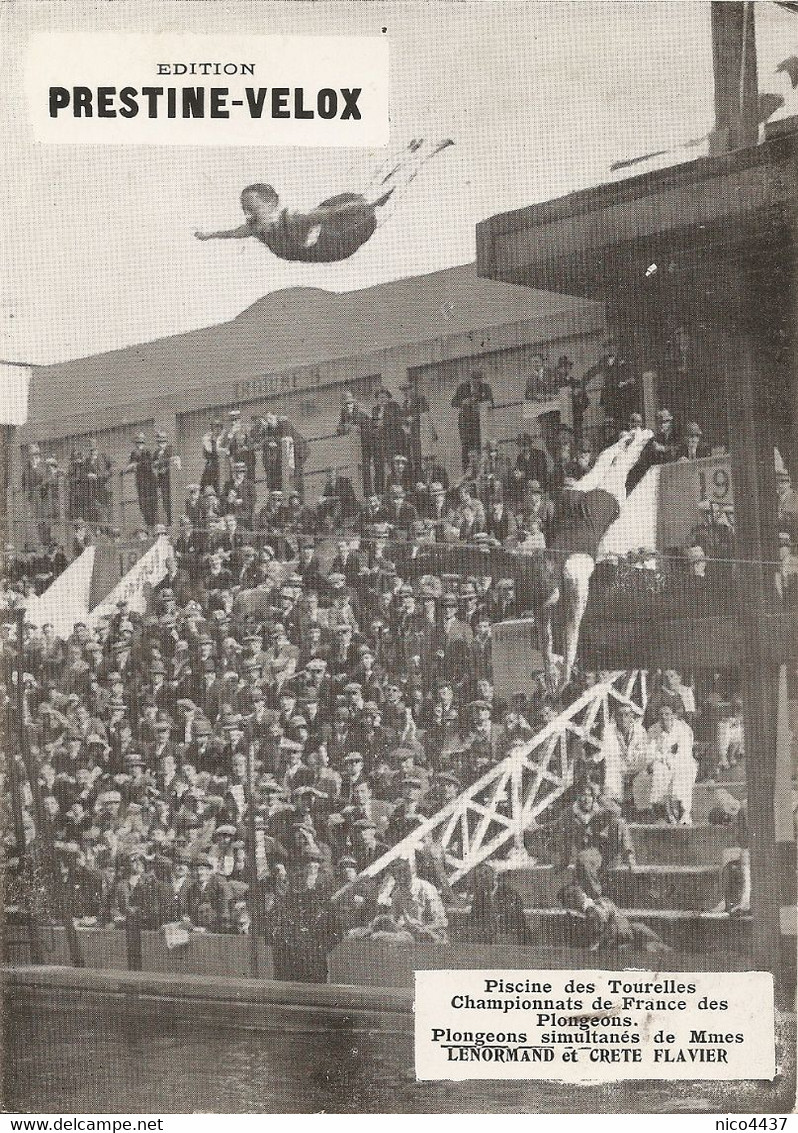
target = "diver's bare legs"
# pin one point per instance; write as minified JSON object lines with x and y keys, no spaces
{"x":393,"y":177}
{"x":609,"y":472}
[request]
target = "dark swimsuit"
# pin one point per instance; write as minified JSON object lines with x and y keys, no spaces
{"x":342,"y":233}
{"x":581,"y":520}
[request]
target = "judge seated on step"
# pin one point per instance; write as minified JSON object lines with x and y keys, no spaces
{"x":624,"y":752}
{"x":672,"y":769}
{"x":596,"y":838}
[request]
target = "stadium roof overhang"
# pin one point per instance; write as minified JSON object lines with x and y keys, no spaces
{"x":675,"y":232}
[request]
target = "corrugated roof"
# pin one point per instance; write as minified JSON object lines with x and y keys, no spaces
{"x":289,"y":328}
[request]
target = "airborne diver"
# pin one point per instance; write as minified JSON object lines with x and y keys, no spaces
{"x":338,"y":226}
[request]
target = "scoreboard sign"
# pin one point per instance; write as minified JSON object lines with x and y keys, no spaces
{"x":669,"y":502}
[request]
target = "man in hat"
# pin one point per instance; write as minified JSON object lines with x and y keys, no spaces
{"x":500,"y":523}
{"x":624,"y":754}
{"x":347,"y":562}
{"x":266,"y":434}
{"x":400,"y":514}
{"x":692,"y":445}
{"x":495,"y":474}
{"x":141,"y":465}
{"x":481,"y":745}
{"x":661,"y":448}
{"x":399,"y":474}
{"x":432,"y":472}
{"x":212,"y":452}
{"x":352,"y":416}
{"x":621,"y":392}
{"x":163,"y":458}
{"x":371,"y":515}
{"x":49,"y":504}
{"x":193,"y":505}
{"x":234,"y":441}
{"x":33,"y":473}
{"x":238,"y":493}
{"x":208,"y":898}
{"x":435,"y":508}
{"x":467,"y":399}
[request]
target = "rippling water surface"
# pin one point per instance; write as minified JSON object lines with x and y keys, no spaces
{"x":92,"y":1054}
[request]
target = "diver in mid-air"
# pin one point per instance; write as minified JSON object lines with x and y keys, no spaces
{"x":338,"y":226}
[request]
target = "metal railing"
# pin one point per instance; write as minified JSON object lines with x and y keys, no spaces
{"x":491,"y":816}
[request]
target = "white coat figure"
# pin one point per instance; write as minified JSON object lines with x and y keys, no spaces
{"x":624,"y":750}
{"x":672,"y":767}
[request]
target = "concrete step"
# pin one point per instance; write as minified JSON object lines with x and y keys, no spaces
{"x":704,"y":793}
{"x":683,"y":930}
{"x":657,"y":844}
{"x":688,"y":888}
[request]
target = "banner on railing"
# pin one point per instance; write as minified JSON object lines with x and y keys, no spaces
{"x":66,"y":601}
{"x":137,"y":583}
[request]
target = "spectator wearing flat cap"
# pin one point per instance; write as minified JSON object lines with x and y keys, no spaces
{"x":238,"y":493}
{"x":208,"y":898}
{"x":692,"y":445}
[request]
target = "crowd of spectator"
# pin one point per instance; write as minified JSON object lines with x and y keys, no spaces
{"x":298,"y":697}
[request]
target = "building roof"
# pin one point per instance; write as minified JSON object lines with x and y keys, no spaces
{"x":290,"y":328}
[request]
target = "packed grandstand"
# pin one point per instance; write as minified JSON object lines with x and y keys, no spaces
{"x":312,"y":680}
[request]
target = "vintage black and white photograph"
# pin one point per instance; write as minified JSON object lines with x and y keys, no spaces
{"x":400,"y":557}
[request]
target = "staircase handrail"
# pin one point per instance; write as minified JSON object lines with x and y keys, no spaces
{"x":504,"y":770}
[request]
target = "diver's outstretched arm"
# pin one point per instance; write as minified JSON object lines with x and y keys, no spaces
{"x":239,"y":233}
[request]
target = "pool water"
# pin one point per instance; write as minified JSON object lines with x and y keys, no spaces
{"x":91,"y":1053}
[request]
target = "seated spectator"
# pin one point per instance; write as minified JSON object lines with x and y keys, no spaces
{"x":692,"y":446}
{"x":672,"y":768}
{"x":497,"y":911}
{"x":413,"y":905}
{"x":624,"y":752}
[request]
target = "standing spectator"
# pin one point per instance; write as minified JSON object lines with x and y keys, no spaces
{"x":272,"y":452}
{"x":235,"y":443}
{"x":391,"y":425}
{"x":373,"y":449}
{"x":211,"y":451}
{"x":51,"y":490}
{"x":467,"y":400}
{"x":163,"y":459}
{"x":621,"y":393}
{"x":98,"y":491}
{"x":33,"y":474}
{"x":352,"y":417}
{"x":146,"y":484}
{"x":419,"y":432}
